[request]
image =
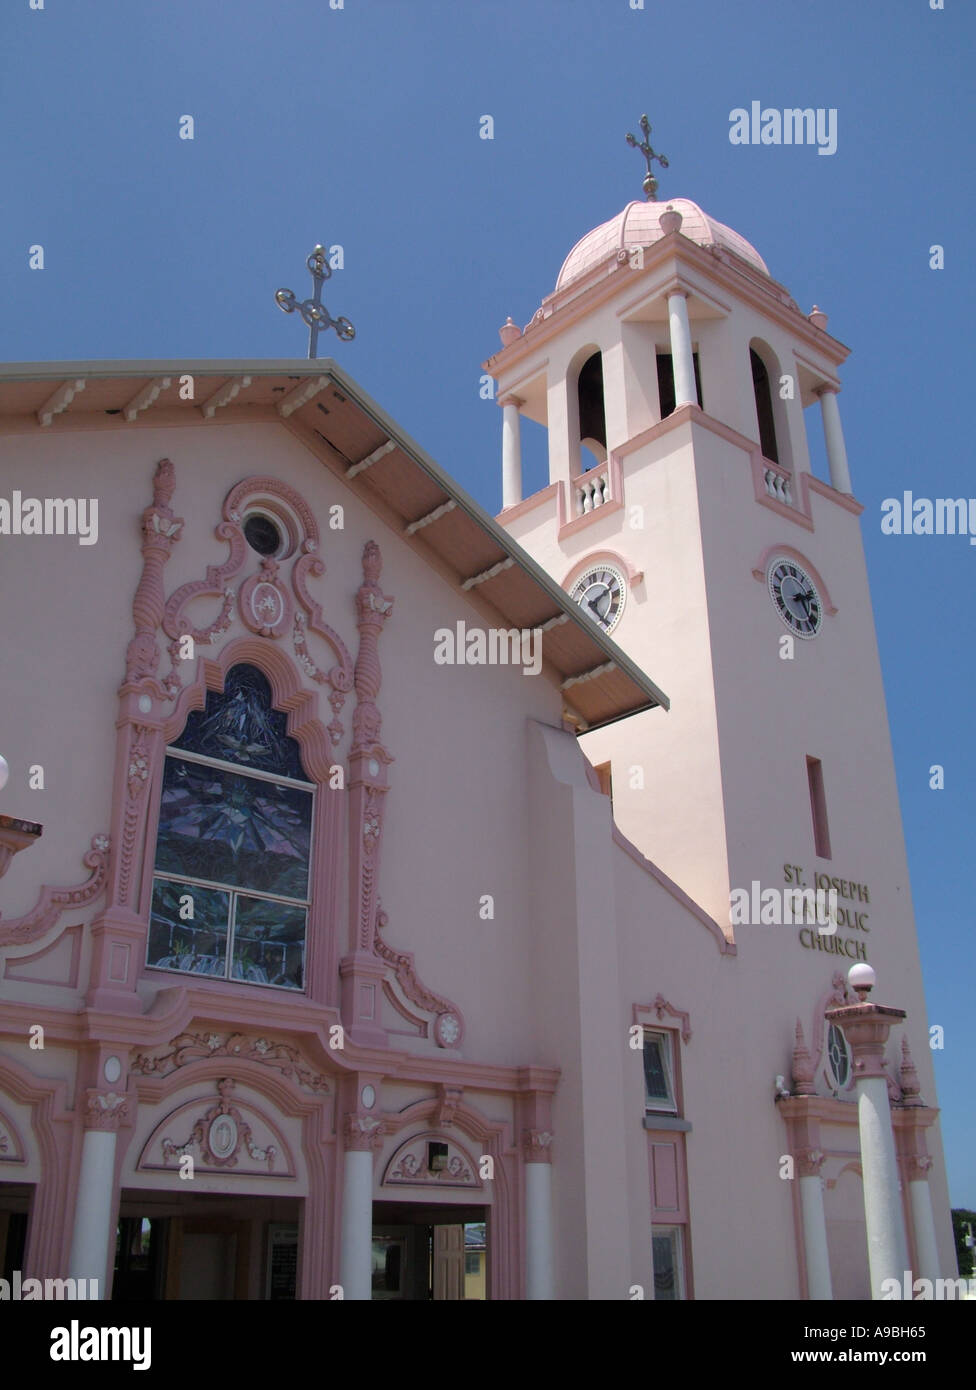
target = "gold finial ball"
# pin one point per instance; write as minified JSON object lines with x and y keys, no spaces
{"x":650,"y":187}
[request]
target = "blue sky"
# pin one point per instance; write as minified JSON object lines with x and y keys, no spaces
{"x":359,"y":126}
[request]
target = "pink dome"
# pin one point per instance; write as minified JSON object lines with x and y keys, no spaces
{"x":638,"y":225}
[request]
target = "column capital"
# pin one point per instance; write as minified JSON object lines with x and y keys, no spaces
{"x":361,"y":1133}
{"x":537,"y":1145}
{"x":827,"y":389}
{"x":866,"y":1027}
{"x":917,"y":1167}
{"x":509,"y":399}
{"x":809,"y":1162}
{"x":104,"y":1110}
{"x":677,"y":289}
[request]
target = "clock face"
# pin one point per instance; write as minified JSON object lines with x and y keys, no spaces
{"x":795,"y":597}
{"x":601,"y":593}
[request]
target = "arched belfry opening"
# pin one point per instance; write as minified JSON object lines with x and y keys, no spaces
{"x":592,"y":412}
{"x":771,"y":409}
{"x":764,"y":406}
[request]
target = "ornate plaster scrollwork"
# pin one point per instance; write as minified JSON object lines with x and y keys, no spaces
{"x":448,"y":1024}
{"x":409,"y":1164}
{"x":308,"y":619}
{"x":194,"y":1047}
{"x":160,"y":532}
{"x":220,"y":1134}
{"x":662,"y":1007}
{"x":215,"y":584}
{"x":53,"y":901}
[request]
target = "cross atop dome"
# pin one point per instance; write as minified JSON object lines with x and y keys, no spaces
{"x":650,"y":182}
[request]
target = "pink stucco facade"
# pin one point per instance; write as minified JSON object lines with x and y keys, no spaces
{"x":490,"y":944}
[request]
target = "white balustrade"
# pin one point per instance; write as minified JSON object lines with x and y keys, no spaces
{"x":778,"y":486}
{"x":592,"y":491}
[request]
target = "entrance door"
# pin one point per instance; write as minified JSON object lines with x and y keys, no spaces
{"x":206,"y":1247}
{"x":14,"y":1209}
{"x":448,"y":1262}
{"x":423,"y":1252}
{"x":208,"y":1258}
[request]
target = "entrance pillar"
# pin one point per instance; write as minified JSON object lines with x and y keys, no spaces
{"x":539,"y":1283}
{"x":361,"y":1134}
{"x":91,"y":1241}
{"x":866,"y":1027}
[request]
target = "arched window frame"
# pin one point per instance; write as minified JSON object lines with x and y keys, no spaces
{"x":778,"y":407}
{"x":303,"y":724}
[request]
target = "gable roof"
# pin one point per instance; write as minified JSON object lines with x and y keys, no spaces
{"x":323,"y":407}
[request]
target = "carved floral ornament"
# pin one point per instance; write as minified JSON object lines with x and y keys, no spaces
{"x":194,"y":1047}
{"x":409,"y":1166}
{"x":11,"y":1147}
{"x":104,"y":1110}
{"x":52,"y":902}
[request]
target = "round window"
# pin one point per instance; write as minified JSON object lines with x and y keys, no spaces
{"x":262,"y":534}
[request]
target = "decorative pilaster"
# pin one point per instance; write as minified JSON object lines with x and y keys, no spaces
{"x":803,"y":1127}
{"x":866,"y":1027}
{"x":511,"y":451}
{"x":361,"y":971}
{"x":685,"y":390}
{"x":117,"y":933}
{"x":809,"y":1162}
{"x":840,"y":473}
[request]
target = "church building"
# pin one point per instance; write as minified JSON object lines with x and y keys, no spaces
{"x":401,"y":902}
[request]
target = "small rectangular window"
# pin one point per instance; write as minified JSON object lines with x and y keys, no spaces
{"x":818,"y":806}
{"x":668,"y":1270}
{"x":659,"y":1092}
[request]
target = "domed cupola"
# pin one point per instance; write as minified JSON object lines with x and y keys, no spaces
{"x":639,"y":225}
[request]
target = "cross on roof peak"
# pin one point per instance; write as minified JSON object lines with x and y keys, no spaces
{"x":650,"y":182}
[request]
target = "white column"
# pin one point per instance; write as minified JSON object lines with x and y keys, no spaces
{"x":511,"y":452}
{"x":92,"y":1237}
{"x":923,"y":1220}
{"x":685,"y":392}
{"x":815,"y":1237}
{"x":539,"y":1283}
{"x":355,"y":1267}
{"x":887,"y":1248}
{"x":840,"y":473}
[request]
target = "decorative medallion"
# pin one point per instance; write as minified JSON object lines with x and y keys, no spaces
{"x":265,"y":607}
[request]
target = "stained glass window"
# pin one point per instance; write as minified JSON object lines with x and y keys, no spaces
{"x":838,"y":1056}
{"x":231,"y":887}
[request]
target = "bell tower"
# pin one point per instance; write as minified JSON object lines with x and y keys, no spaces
{"x":672,"y":374}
